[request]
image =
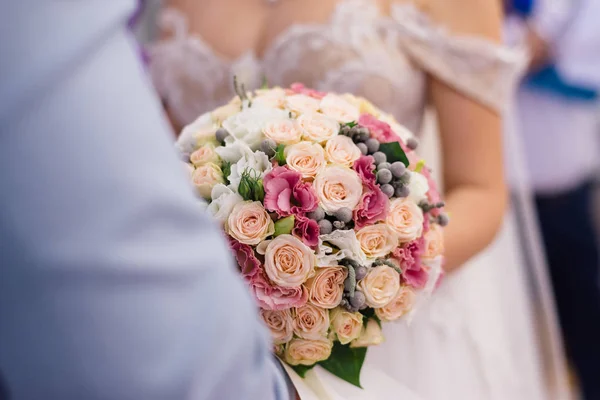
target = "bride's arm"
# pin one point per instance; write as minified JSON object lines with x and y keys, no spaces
{"x":471,"y":136}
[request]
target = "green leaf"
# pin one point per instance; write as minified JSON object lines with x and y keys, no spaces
{"x":346,"y":363}
{"x":351,"y":124}
{"x":226,"y":168}
{"x":284,"y":225}
{"x":394,"y":152}
{"x":302,"y":369}
{"x":279,"y":154}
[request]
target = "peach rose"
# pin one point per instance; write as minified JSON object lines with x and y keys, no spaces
{"x":380,"y":286}
{"x":371,"y":335}
{"x":310,"y":321}
{"x":204,"y":154}
{"x":399,"y":306}
{"x":377,"y":240}
{"x":341,"y":150}
{"x":288,"y":261}
{"x":339,"y":109}
{"x":249,"y":223}
{"x":338,"y":187}
{"x":205,"y":177}
{"x":317,"y":127}
{"x":405,"y":219}
{"x":434,"y":243}
{"x":302,"y":104}
{"x":272,"y":98}
{"x":280,"y":323}
{"x":283,"y":132}
{"x":306,"y":158}
{"x":307,"y":352}
{"x":346,"y":325}
{"x":326,"y":287}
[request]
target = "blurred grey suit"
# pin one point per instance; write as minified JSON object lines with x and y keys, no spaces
{"x":112,"y":284}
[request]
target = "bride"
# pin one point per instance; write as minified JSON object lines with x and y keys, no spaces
{"x":477,"y":338}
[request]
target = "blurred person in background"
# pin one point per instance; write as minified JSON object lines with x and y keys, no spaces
{"x":474,"y":339}
{"x":558,"y":115}
{"x":112,"y":285}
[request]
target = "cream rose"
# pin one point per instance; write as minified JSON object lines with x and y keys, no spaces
{"x":280,"y":323}
{"x":399,"y":306}
{"x":307,"y":352}
{"x":326,"y":287}
{"x":205,"y":177}
{"x":305,"y":157}
{"x":377,"y":240}
{"x":434,"y":243}
{"x":405,"y":219}
{"x":288,"y":261}
{"x":249,"y":223}
{"x":270,"y":98}
{"x":341,"y":150}
{"x":338,"y":187}
{"x":283,"y":132}
{"x":302,"y":104}
{"x":339,"y":109}
{"x":346,"y":325}
{"x":317,"y":127}
{"x":204,"y":154}
{"x":310,"y":321}
{"x":222,"y":113}
{"x":371,"y":335}
{"x":248,"y":124}
{"x":380,"y":286}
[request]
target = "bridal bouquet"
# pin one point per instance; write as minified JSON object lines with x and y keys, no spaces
{"x":335,"y":223}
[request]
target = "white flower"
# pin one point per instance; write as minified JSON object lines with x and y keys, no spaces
{"x":302,"y":104}
{"x":346,"y":242}
{"x":257,"y":164}
{"x":223,"y":201}
{"x":201,"y":131}
{"x":233,"y":150}
{"x":248,"y":125}
{"x":418,"y":187}
{"x":339,"y":109}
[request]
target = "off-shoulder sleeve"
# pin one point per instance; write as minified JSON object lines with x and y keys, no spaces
{"x":481,"y":69}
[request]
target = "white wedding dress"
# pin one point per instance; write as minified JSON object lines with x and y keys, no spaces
{"x":480,"y":335}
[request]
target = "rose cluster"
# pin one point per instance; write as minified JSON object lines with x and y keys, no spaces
{"x":333,"y":220}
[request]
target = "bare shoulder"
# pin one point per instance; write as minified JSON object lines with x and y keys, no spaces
{"x":464,"y":17}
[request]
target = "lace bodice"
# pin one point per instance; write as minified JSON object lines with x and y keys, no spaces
{"x":359,"y":50}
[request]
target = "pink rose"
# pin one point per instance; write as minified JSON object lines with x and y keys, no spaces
{"x":373,"y":207}
{"x":287,"y":194}
{"x":378,"y":129}
{"x":310,"y":321}
{"x":326,"y":288}
{"x":288,"y":261}
{"x":364,"y":167}
{"x":434,"y":243}
{"x":271,"y":297}
{"x":307,"y":230}
{"x":249,"y":223}
{"x":245,"y":257}
{"x":280,"y":324}
{"x":299,"y":88}
{"x":406,"y":219}
{"x":399,"y":306}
